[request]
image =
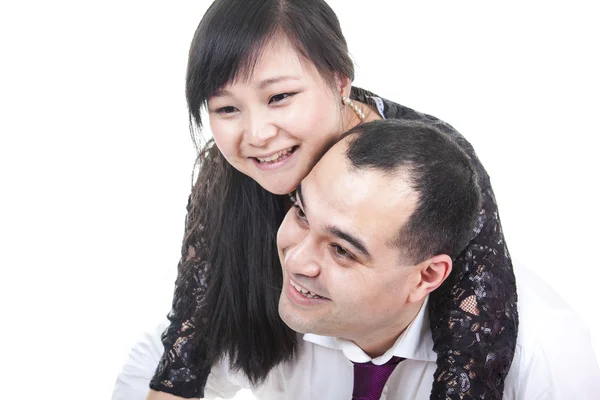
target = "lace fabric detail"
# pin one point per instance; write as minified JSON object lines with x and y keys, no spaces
{"x":181,"y":371}
{"x":474,"y":316}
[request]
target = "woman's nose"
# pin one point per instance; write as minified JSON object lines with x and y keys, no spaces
{"x":260,"y":130}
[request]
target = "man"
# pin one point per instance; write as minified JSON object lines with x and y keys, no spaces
{"x":373,"y":231}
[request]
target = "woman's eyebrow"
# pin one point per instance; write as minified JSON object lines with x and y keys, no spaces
{"x":270,"y":81}
{"x":221,"y":93}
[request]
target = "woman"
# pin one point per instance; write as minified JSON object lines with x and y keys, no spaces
{"x":275,"y":76}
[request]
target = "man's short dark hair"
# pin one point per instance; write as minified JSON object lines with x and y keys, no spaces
{"x":441,"y":173}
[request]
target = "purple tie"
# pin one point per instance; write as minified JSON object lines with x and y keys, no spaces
{"x":369,"y":379}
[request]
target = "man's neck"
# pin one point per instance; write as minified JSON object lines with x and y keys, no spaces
{"x":378,"y":341}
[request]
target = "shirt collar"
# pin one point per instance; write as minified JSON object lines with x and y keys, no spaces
{"x":415,"y":343}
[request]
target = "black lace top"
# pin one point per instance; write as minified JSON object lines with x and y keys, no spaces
{"x":473,"y":314}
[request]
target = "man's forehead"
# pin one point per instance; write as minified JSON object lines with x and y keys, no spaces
{"x":334,"y":163}
{"x":369,"y":202}
{"x":341,"y":179}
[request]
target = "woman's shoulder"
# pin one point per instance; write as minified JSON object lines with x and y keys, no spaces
{"x":393,"y":110}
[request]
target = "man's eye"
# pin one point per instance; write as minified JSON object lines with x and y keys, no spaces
{"x":299,"y":213}
{"x":280,"y":97}
{"x":342,"y":252}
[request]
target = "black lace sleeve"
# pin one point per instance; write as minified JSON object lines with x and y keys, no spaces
{"x":474,"y":315}
{"x":474,"y":318}
{"x":180,"y":371}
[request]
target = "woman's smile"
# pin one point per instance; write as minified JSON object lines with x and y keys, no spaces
{"x":275,"y":160}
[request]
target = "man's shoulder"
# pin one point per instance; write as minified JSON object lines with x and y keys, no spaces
{"x":541,"y":311}
{"x":554,"y":356}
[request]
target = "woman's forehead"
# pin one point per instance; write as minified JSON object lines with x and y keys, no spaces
{"x":276,"y":61}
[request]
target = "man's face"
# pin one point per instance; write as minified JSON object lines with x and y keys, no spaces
{"x":337,"y":244}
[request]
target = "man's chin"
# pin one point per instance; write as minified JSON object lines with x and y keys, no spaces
{"x":293,"y":320}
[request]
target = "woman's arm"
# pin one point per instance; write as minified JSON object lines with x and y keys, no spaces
{"x":133,"y":380}
{"x":168,"y":359}
{"x":474,"y":316}
{"x":182,"y":369}
{"x":152,"y":395}
{"x":219,"y":386}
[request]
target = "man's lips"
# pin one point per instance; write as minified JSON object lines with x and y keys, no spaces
{"x":306,"y":292}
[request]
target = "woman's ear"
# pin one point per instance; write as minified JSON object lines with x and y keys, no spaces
{"x":431,"y":274}
{"x":343,"y":84}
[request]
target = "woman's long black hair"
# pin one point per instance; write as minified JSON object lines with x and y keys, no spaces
{"x":232,"y":221}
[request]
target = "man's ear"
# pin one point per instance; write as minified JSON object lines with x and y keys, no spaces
{"x":343,"y":84}
{"x":431,"y":274}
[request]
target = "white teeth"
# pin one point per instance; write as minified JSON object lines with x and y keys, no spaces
{"x":275,"y":156}
{"x":305,"y":292}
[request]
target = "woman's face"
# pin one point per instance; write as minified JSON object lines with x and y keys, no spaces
{"x":276,"y":125}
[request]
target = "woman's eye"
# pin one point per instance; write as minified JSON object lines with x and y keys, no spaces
{"x":280,"y":97}
{"x":226,"y":110}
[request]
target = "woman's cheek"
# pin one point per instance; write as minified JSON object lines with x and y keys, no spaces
{"x":224,"y":133}
{"x":294,"y":121}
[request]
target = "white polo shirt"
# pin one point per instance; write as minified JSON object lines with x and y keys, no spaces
{"x":553,"y":359}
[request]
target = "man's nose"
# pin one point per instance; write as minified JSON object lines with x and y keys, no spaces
{"x":301,"y":259}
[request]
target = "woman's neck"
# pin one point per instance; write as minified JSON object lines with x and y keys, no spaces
{"x":351,"y":119}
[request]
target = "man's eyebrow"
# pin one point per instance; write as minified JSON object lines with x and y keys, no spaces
{"x":353,"y":240}
{"x":263,"y":84}
{"x":336,"y":231}
{"x":299,"y":196}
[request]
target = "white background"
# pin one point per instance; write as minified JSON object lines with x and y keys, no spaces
{"x":96,"y":161}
